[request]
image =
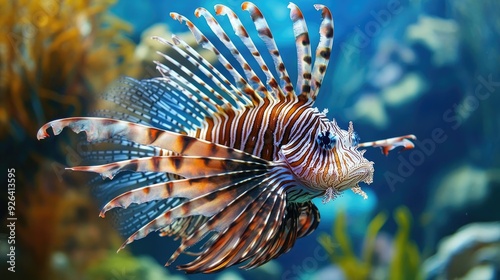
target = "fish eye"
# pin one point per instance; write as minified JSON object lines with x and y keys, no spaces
{"x":326,"y":140}
{"x":355,"y":139}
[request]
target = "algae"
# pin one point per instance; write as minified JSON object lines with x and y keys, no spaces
{"x":405,"y":262}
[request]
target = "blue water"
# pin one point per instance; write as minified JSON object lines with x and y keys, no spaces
{"x":429,"y":69}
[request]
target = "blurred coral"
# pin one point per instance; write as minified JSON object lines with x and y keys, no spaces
{"x":473,"y":252}
{"x":147,"y":50}
{"x":54,"y":55}
{"x":439,"y":35}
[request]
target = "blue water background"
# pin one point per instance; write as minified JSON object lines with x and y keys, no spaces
{"x":470,"y":136}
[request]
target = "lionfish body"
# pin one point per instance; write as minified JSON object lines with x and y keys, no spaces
{"x":237,"y":162}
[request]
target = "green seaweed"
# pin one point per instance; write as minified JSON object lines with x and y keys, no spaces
{"x":405,"y":262}
{"x":127,"y":266}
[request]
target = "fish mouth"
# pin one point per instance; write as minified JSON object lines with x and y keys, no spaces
{"x":363,"y":172}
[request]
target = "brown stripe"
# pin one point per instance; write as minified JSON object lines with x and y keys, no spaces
{"x":156,"y":163}
{"x":257,"y":125}
{"x":209,"y":127}
{"x":177,"y":162}
{"x":229,"y":119}
{"x":239,"y":129}
{"x":294,"y":113}
{"x":186,"y":142}
{"x":337,"y":163}
{"x":153,"y":134}
{"x":269,"y":144}
{"x":243,"y":31}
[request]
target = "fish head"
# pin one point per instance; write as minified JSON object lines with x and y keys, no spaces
{"x":326,"y":158}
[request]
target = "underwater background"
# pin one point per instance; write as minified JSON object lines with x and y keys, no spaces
{"x":429,"y":68}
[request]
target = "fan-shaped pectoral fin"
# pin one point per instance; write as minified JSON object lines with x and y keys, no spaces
{"x":244,"y":228}
{"x":99,"y":129}
{"x":185,"y":166}
{"x":190,"y":188}
{"x":210,"y":200}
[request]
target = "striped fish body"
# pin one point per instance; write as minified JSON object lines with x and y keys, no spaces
{"x":261,"y":130}
{"x":237,"y":162}
{"x":286,"y":131}
{"x":264,"y":130}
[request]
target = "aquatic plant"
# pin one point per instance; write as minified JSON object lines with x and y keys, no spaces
{"x":54,"y":56}
{"x":405,"y":261}
{"x":58,"y":231}
{"x":127,"y":266}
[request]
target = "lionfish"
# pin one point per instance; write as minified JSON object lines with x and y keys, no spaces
{"x":232,"y":164}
